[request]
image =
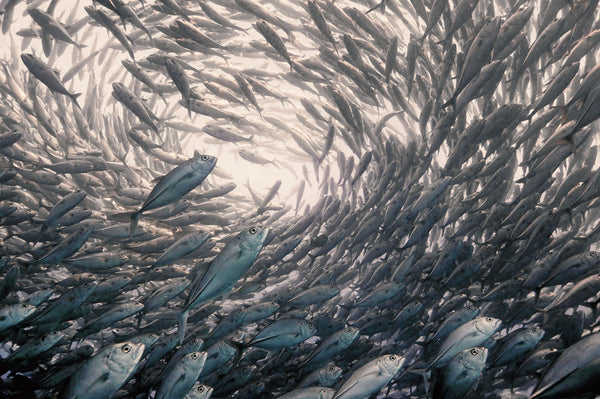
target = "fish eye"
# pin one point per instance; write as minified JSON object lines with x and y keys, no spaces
{"x":201,"y":388}
{"x":474,"y":352}
{"x":534,"y":329}
{"x":253,"y":230}
{"x":195,"y":355}
{"x":205,"y":157}
{"x":349,"y":329}
{"x":310,"y":325}
{"x":392,"y":357}
{"x":126,"y":348}
{"x":470,"y":307}
{"x":331,"y":368}
{"x":488,"y":319}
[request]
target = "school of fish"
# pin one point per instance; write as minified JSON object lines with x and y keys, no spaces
{"x":433,"y":236}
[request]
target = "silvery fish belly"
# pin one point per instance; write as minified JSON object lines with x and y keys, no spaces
{"x":299,"y":199}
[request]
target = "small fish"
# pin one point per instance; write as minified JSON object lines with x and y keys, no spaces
{"x":47,"y":76}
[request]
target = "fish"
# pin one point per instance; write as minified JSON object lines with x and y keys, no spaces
{"x":224,"y":271}
{"x":47,"y":76}
{"x":462,"y":373}
{"x":104,"y":373}
{"x":371,"y":377}
{"x":175,"y":184}
{"x":180,"y":380}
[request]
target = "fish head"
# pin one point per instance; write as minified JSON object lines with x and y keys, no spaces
{"x":84,"y":290}
{"x":535,"y":334}
{"x":200,"y":236}
{"x":194,"y":360}
{"x":203,"y":164}
{"x":202,"y":391}
{"x":253,"y":237}
{"x":307,"y":329}
{"x":488,"y":325}
{"x":350,"y":334}
{"x":331,"y":372}
{"x":390,"y":364}
{"x":29,"y":59}
{"x":35,"y":14}
{"x":197,"y":343}
{"x":326,"y":393}
{"x":119,"y":358}
{"x":24,"y":309}
{"x":473,"y":358}
{"x":471,"y":311}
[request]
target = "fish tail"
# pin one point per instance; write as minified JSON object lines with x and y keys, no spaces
{"x":182,"y":323}
{"x":376,"y":6}
{"x":42,"y":231}
{"x":135,"y":218}
{"x":74,"y":98}
{"x":426,"y":374}
{"x":163,"y":98}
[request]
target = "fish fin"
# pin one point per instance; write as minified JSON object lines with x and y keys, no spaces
{"x":135,"y":217}
{"x":74,"y":98}
{"x":426,"y":374}
{"x":181,"y":325}
{"x":451,"y":102}
{"x":42,"y":231}
{"x":46,"y":44}
{"x":376,"y":6}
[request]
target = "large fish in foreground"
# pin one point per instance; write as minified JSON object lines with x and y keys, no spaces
{"x":224,"y":271}
{"x":175,"y":184}
{"x":102,"y":375}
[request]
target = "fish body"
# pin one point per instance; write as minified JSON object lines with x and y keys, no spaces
{"x":47,"y":76}
{"x":283,"y":333}
{"x":175,"y":184}
{"x":178,"y":382}
{"x":103,"y":374}
{"x":461,"y":373}
{"x":371,"y":377}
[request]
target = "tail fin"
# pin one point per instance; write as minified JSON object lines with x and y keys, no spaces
{"x":426,"y":374}
{"x":74,"y":98}
{"x":380,"y":5}
{"x":135,"y":218}
{"x":182,"y":323}
{"x":42,"y":231}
